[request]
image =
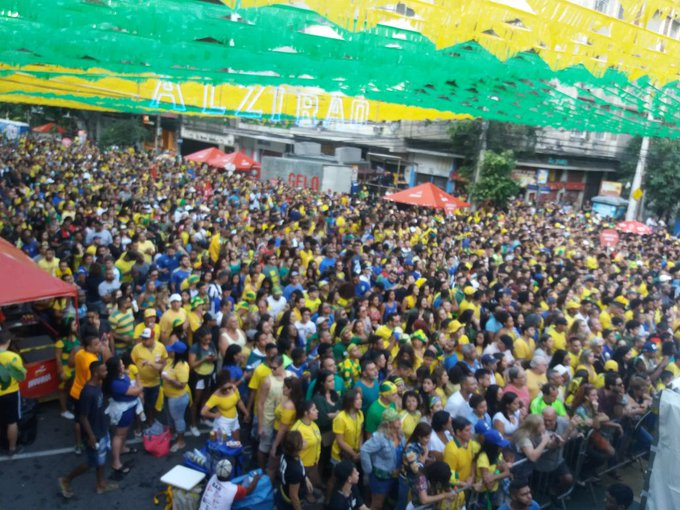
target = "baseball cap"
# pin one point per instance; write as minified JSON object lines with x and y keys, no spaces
{"x":494,"y":437}
{"x":454,"y":326}
{"x":489,"y":358}
{"x":223,"y":469}
{"x":175,"y":297}
{"x":178,"y":347}
{"x":149,"y":312}
{"x":611,"y":366}
{"x":147,"y":333}
{"x":388,"y":388}
{"x":481,"y":427}
{"x":560,"y":369}
{"x":196,"y":301}
{"x":649,"y":347}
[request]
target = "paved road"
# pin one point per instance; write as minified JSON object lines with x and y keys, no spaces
{"x":29,"y":480}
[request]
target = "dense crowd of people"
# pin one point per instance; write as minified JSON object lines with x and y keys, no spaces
{"x":374,"y":355}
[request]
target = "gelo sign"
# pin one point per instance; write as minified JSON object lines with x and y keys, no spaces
{"x":303,"y":181}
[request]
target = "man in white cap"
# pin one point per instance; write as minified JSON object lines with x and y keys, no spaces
{"x":174,"y":313}
{"x":220,"y":493}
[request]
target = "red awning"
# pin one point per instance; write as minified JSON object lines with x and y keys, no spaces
{"x":206,"y":155}
{"x":50,"y":127}
{"x":214,"y":157}
{"x":23,"y":281}
{"x":427,"y":195}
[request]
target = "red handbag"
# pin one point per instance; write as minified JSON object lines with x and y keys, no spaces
{"x":158,"y":445}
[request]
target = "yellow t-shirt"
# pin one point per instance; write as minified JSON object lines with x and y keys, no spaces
{"x":534,"y":383}
{"x":50,"y":266}
{"x":351,"y":430}
{"x":409,"y":422}
{"x":169,"y":317}
{"x":81,"y":362}
{"x":137,"y":333}
{"x":284,"y":417}
{"x":483,"y":462}
{"x":148,"y":376}
{"x":225,"y":404}
{"x":260,"y":373}
{"x":523,"y":349}
{"x":311,"y":442}
{"x":8,"y":358}
{"x":559,"y":339}
{"x":459,"y":458}
{"x":180,"y":373}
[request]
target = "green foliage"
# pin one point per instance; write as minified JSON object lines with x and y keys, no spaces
{"x":495,"y":185}
{"x":9,"y":372}
{"x":662,"y":177}
{"x":500,"y":136}
{"x":124,"y":133}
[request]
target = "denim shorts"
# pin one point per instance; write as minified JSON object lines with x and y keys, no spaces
{"x":97,"y":458}
{"x":379,"y":486}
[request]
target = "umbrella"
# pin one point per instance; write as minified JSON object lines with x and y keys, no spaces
{"x":206,"y":155}
{"x":427,"y":195}
{"x":50,"y":127}
{"x":235,"y":161}
{"x":634,"y":227}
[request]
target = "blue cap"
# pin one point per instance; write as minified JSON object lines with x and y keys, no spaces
{"x":649,"y":347}
{"x":481,"y":427}
{"x":494,"y":437}
{"x":178,"y":347}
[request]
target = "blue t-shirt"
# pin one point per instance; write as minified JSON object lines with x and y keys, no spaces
{"x":369,"y":395}
{"x":119,"y":388}
{"x":532,"y":506}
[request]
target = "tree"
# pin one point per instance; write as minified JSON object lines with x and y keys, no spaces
{"x":495,"y":183}
{"x":124,"y":133}
{"x":662,"y":177}
{"x":501,"y":136}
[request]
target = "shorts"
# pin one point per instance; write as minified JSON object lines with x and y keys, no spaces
{"x":126,"y":419}
{"x":151,"y":395}
{"x":75,"y":406}
{"x":10,"y":408}
{"x":227,"y":425}
{"x":97,"y":457}
{"x":200,"y":382}
{"x":379,"y":486}
{"x":266,"y":440}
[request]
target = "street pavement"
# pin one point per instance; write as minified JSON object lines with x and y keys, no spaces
{"x":29,"y":480}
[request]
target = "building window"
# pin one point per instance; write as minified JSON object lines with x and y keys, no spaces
{"x":602,"y":6}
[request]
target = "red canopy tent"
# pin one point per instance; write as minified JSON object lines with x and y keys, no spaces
{"x":206,"y":155}
{"x":236,"y":161}
{"x":23,"y":281}
{"x":50,"y":127}
{"x":427,"y":195}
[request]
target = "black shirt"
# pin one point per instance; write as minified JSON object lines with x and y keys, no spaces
{"x":92,"y":406}
{"x":341,"y":502}
{"x":292,"y":472}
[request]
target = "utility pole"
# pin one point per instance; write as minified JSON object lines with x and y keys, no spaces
{"x":482,"y":150}
{"x":632,"y":212}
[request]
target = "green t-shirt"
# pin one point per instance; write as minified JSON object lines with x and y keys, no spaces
{"x":374,"y":415}
{"x":538,"y":404}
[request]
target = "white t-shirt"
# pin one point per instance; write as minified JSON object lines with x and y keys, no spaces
{"x":276,"y":306}
{"x":218,"y":495}
{"x":305,"y":330}
{"x":510,"y":427}
{"x":457,"y":406}
{"x":436,"y":444}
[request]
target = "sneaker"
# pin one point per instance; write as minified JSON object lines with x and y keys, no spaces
{"x":68,"y":415}
{"x":78,"y":450}
{"x":195,"y":432}
{"x":65,"y":488}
